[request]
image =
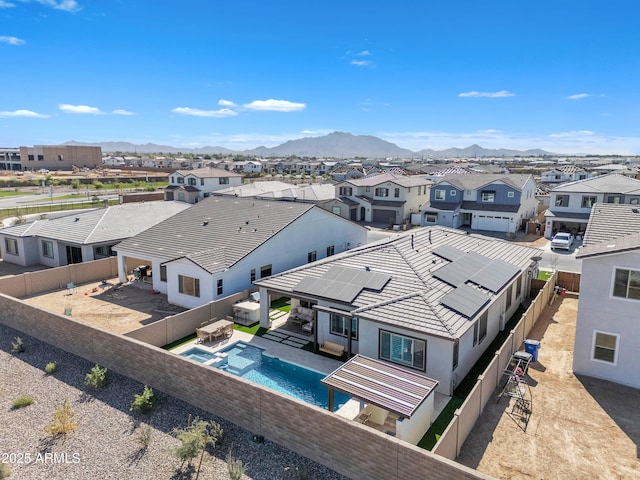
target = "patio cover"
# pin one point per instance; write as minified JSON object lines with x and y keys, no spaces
{"x":387,"y":386}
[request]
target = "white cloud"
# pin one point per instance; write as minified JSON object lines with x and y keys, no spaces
{"x":364,"y":53}
{"x":24,"y":113}
{"x":83,"y":109}
{"x":5,"y":4}
{"x":66,"y":5}
{"x":578,"y":96}
{"x":122,"y":112}
{"x":500,"y":94}
{"x":361,"y":63}
{"x":275,"y":105}
{"x":226,"y":103}
{"x":196,"y":112}
{"x":573,"y":134}
{"x":12,"y":40}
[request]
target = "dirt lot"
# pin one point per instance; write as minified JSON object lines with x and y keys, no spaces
{"x":113,"y":307}
{"x":579,"y":427}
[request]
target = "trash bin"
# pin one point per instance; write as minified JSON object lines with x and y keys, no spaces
{"x":532,"y":347}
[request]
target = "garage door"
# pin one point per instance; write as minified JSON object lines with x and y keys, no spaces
{"x":492,"y":223}
{"x":384,"y":216}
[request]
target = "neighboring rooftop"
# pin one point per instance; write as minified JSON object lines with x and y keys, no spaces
{"x":612,"y":228}
{"x":467,"y":181}
{"x":209,"y":172}
{"x":611,"y":183}
{"x":416,"y":297}
{"x":402,"y":180}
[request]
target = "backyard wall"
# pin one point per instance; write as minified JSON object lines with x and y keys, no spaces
{"x":33,"y":283}
{"x":465,"y":417}
{"x":175,"y":327}
{"x":343,"y":445}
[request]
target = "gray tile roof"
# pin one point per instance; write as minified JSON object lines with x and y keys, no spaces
{"x":612,"y":183}
{"x":208,"y":172}
{"x":612,"y":228}
{"x":100,"y":225}
{"x":402,"y":180}
{"x":470,"y":181}
{"x":216,"y":232}
{"x":412,"y":298}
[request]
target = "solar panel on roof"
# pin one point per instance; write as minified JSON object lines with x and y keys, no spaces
{"x":448,"y":252}
{"x":333,"y":289}
{"x":453,"y":274}
{"x":495,"y":276}
{"x":465,"y":300}
{"x":363,"y":278}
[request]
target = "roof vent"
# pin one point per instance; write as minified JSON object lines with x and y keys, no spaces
{"x":246,"y":222}
{"x":635,"y":210}
{"x":205,"y":223}
{"x":76,"y":219}
{"x":367,"y":268}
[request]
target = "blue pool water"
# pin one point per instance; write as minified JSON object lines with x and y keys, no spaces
{"x":198,"y":354}
{"x":248,"y":362}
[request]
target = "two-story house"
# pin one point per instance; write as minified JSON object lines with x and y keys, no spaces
{"x":191,"y":186}
{"x":569,"y":173}
{"x":386,"y":198}
{"x":607,"y":337}
{"x":570,"y":204}
{"x":493,"y":202}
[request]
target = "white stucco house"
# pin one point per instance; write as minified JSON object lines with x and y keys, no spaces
{"x":571,"y":203}
{"x":191,"y":186}
{"x":81,"y":236}
{"x":607,"y":329}
{"x":219,"y":246}
{"x":568,"y":173}
{"x":430,"y":300}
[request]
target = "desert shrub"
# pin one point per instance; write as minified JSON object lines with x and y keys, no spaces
{"x":144,"y":436}
{"x":235,"y":467}
{"x":97,"y":378}
{"x":17,"y":346}
{"x":143,"y":403}
{"x":50,"y":367}
{"x":21,"y":402}
{"x":64,"y":420}
{"x":192,"y":440}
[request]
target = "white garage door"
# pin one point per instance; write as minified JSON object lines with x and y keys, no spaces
{"x":492,"y":223}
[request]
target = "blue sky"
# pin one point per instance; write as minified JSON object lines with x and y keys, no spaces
{"x":561,"y":75}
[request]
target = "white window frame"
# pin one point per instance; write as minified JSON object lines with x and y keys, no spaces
{"x":427,"y":217}
{"x":403,"y":339}
{"x":47,"y":249}
{"x":488,"y":196}
{"x":440,"y":194}
{"x":616,"y":348}
{"x":453,"y":193}
{"x":11,"y":245}
{"x":511,"y":194}
{"x":591,"y":199}
{"x":613,"y":284}
{"x":196,"y":286}
{"x":339,"y":325}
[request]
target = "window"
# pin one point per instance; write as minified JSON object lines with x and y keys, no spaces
{"x":605,"y":347}
{"x":626,"y":284}
{"x":382,"y":192}
{"x":265,"y":271}
{"x":331,"y":249}
{"x":519,"y":286}
{"x":633,"y":201}
{"x":335,"y":210}
{"x":47,"y":249}
{"x":440,"y":194}
{"x":588,"y":201}
{"x":456,"y":354}
{"x":192,"y":182}
{"x":223,"y":181}
{"x":202,"y":181}
{"x":480,"y":328}
{"x":488,"y":196}
{"x":614,"y":199}
{"x":509,"y":295}
{"x":104,"y":251}
{"x":367,"y":189}
{"x":252,"y":275}
{"x":163,"y":273}
{"x":430,"y":217}
{"x":396,"y":193}
{"x":562,"y":201}
{"x":180,"y":180}
{"x":41,"y":158}
{"x":11,"y":245}
{"x":189,"y":286}
{"x":345,"y":191}
{"x":60,"y":158}
{"x":403,"y":350}
{"x":511,"y":194}
{"x":219,"y":286}
{"x":453,"y":193}
{"x":340,"y":325}
{"x":311,"y":256}
{"x":31,"y":158}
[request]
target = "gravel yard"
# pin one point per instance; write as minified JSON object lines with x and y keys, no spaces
{"x":105,"y":444}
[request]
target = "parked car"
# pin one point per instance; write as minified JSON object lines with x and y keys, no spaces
{"x":562,"y":240}
{"x":43,"y":170}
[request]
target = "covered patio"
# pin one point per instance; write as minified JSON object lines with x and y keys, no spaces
{"x":386,"y":392}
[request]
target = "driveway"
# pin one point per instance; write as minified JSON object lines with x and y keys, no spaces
{"x":579,"y":427}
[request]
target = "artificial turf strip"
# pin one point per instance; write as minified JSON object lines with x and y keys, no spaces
{"x":180,"y":341}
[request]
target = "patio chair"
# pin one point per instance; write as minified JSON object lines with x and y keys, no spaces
{"x":67,"y":311}
{"x":201,"y":336}
{"x":71,"y":287}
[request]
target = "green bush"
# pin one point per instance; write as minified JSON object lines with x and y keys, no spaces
{"x":144,"y":402}
{"x":97,"y":378}
{"x":50,"y":367}
{"x":17,"y":346}
{"x":235,"y":467}
{"x":192,"y":439}
{"x":21,"y":402}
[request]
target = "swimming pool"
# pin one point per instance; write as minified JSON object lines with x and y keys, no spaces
{"x":248,"y":362}
{"x":199,"y":354}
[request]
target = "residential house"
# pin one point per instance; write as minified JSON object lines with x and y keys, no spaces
{"x":493,"y":202}
{"x":221,"y":245}
{"x":571,"y":203}
{"x":569,"y":173}
{"x":607,"y":337}
{"x":431,"y":300}
{"x":385,"y":198}
{"x":81,"y":236}
{"x":191,"y":186}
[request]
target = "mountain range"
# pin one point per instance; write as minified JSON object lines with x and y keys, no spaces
{"x":333,"y":145}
